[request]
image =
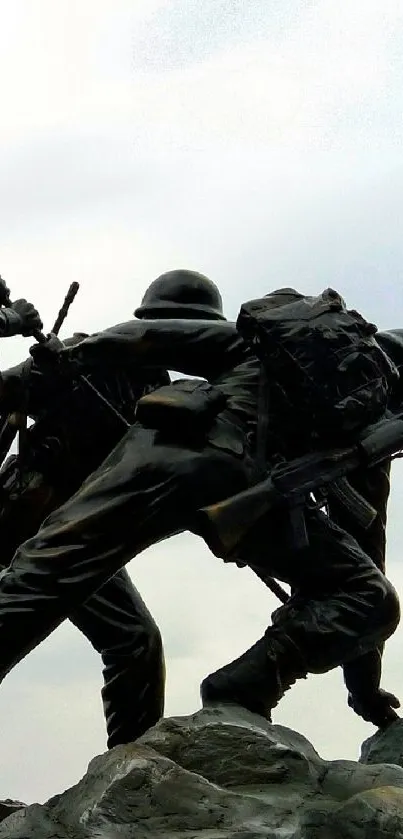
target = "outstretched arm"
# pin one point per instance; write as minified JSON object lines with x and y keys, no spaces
{"x":20,"y":319}
{"x":192,"y":347}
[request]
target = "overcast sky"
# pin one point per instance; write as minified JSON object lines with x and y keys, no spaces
{"x":259,"y":142}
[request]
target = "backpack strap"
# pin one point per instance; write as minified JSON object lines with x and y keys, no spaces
{"x":262,"y":427}
{"x":298,"y":532}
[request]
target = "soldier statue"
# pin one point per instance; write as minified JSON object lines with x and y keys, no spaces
{"x":73,"y":432}
{"x":153,"y":484}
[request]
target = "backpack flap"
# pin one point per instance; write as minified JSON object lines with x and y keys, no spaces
{"x":323,"y":358}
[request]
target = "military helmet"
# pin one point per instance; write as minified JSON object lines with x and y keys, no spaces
{"x":181,"y":294}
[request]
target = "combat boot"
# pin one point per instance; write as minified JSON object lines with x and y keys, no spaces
{"x":258,"y":679}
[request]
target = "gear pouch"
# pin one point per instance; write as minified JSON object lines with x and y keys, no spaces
{"x":186,"y":408}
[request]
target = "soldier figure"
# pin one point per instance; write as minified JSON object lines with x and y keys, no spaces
{"x":72,"y":434}
{"x":374,"y":486}
{"x":152,"y":486}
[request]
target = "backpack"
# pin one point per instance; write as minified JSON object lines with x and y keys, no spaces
{"x":333,"y":377}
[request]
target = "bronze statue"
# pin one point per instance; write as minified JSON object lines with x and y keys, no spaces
{"x":72,"y":434}
{"x":18,"y":318}
{"x":153,"y":485}
{"x":373,"y":484}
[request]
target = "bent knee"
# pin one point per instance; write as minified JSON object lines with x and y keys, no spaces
{"x":141,"y":640}
{"x":392,"y":608}
{"x":386,"y":613}
{"x":155,"y":643}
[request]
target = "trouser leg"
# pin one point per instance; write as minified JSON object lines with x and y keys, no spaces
{"x":363,"y":675}
{"x":119,"y":626}
{"x":343,"y":607}
{"x":115,"y":621}
{"x":142,"y":493}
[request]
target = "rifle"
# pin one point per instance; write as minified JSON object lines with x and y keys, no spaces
{"x":17,"y":422}
{"x":61,"y":317}
{"x":41,"y":338}
{"x":226,"y":524}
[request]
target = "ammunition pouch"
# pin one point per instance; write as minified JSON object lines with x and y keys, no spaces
{"x":184,"y":409}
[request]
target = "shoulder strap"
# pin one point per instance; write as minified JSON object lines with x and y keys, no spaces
{"x":298,"y":530}
{"x":262,"y":427}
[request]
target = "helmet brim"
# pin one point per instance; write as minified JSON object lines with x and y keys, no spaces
{"x":184,"y":310}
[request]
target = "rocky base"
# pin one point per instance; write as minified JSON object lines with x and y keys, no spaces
{"x":7,"y":807}
{"x":224,"y":773}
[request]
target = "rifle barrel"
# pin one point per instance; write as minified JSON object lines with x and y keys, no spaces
{"x":68,"y":300}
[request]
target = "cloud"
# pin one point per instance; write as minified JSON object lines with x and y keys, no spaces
{"x":276,"y":151}
{"x":325,"y":77}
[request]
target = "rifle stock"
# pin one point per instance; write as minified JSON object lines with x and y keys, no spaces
{"x":224,"y":524}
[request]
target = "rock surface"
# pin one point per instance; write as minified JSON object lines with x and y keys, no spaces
{"x":385,"y":746}
{"x":224,"y":773}
{"x":7,"y":807}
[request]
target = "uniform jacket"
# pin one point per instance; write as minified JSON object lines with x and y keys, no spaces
{"x":213,"y":350}
{"x":83,"y":428}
